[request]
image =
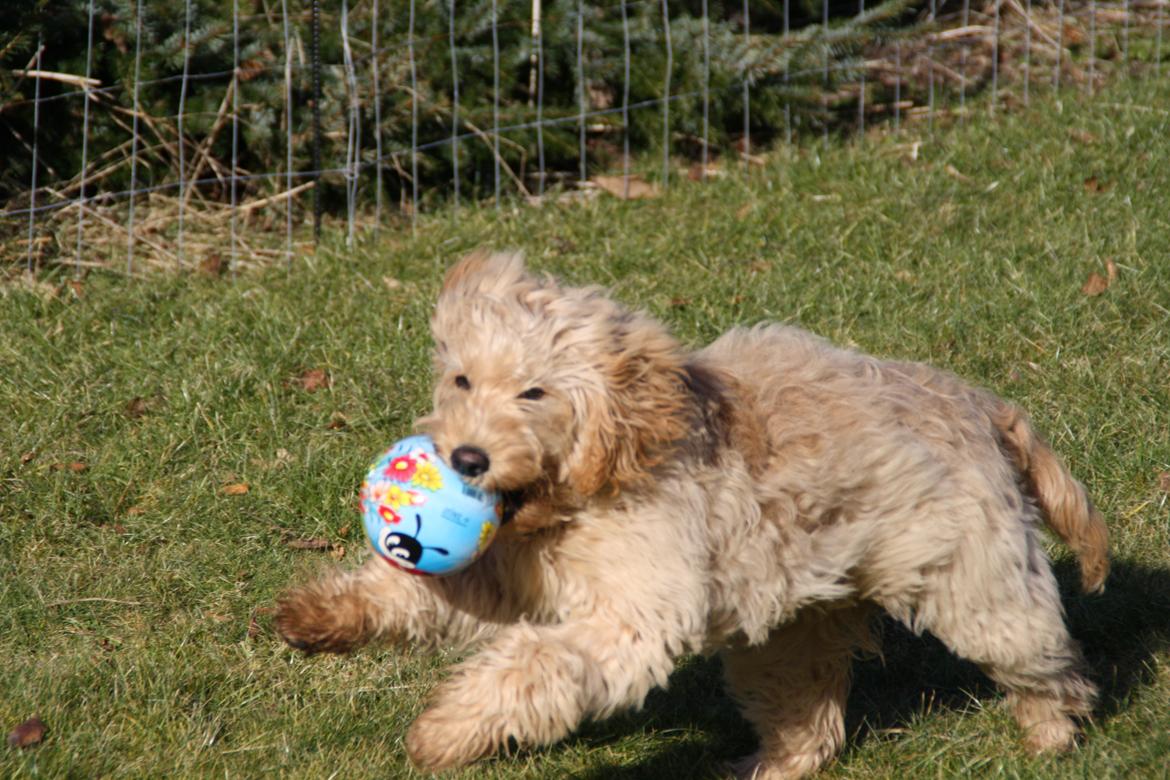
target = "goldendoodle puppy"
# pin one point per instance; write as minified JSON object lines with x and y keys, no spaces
{"x":759,"y":497}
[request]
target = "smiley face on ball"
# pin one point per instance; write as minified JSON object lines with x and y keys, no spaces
{"x":405,"y":550}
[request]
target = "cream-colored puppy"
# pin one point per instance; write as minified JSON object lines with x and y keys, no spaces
{"x":759,"y":497}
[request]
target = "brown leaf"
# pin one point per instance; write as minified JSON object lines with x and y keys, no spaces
{"x":136,"y":407}
{"x":639,"y":188}
{"x":136,"y":510}
{"x":337,"y":422}
{"x":1164,"y":481}
{"x":76,"y":467}
{"x":26,"y":457}
{"x":309,"y":544}
{"x":312,"y":379}
{"x":1096,"y":284}
{"x":235,"y":489}
{"x":1083,"y":136}
{"x":679,"y":302}
{"x":343,"y":531}
{"x":337,"y":552}
{"x":213,"y":264}
{"x":1093,"y":184}
{"x":76,"y":287}
{"x":27,"y":734}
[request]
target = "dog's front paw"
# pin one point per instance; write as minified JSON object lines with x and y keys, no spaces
{"x":441,"y":739}
{"x":314,"y":622}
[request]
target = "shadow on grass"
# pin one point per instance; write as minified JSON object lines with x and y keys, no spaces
{"x":700,"y":731}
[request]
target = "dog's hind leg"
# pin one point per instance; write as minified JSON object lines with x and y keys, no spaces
{"x":1009,"y":620}
{"x":793,"y":690}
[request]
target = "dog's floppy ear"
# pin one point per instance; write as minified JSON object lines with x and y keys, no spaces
{"x":483,"y":271}
{"x":627,"y":426}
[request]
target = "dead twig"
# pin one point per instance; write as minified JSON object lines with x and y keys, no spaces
{"x":503,"y":163}
{"x":1031,"y":23}
{"x":286,"y":195}
{"x":122,"y":228}
{"x":64,"y":78}
{"x":93,"y":599}
{"x":204,"y":150}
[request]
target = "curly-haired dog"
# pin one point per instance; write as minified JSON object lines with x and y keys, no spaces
{"x":759,"y":497}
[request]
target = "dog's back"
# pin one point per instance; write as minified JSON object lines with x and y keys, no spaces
{"x":823,"y":406}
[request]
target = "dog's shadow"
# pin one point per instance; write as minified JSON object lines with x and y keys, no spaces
{"x":701,"y":732}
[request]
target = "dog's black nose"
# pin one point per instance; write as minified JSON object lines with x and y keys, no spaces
{"x":470,"y":461}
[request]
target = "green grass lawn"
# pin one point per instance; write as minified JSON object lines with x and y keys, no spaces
{"x":134,"y":588}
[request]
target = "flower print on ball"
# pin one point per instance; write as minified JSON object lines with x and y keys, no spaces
{"x":420,"y":515}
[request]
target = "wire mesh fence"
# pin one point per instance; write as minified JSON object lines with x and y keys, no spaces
{"x":183,"y":133}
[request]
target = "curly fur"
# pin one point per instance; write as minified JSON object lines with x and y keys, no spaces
{"x":760,"y":497}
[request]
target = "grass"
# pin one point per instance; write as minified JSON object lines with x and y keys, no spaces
{"x":133,"y":589}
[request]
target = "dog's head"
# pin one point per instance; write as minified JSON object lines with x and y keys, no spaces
{"x":549,"y":392}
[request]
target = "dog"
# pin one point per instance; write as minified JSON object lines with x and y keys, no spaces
{"x":760,"y":498}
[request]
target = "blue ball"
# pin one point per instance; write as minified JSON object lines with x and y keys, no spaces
{"x":420,"y":515}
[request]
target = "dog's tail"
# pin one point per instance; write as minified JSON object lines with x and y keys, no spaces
{"x":1066,"y":505}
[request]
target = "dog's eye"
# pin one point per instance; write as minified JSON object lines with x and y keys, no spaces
{"x":532,"y":394}
{"x":462,"y":382}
